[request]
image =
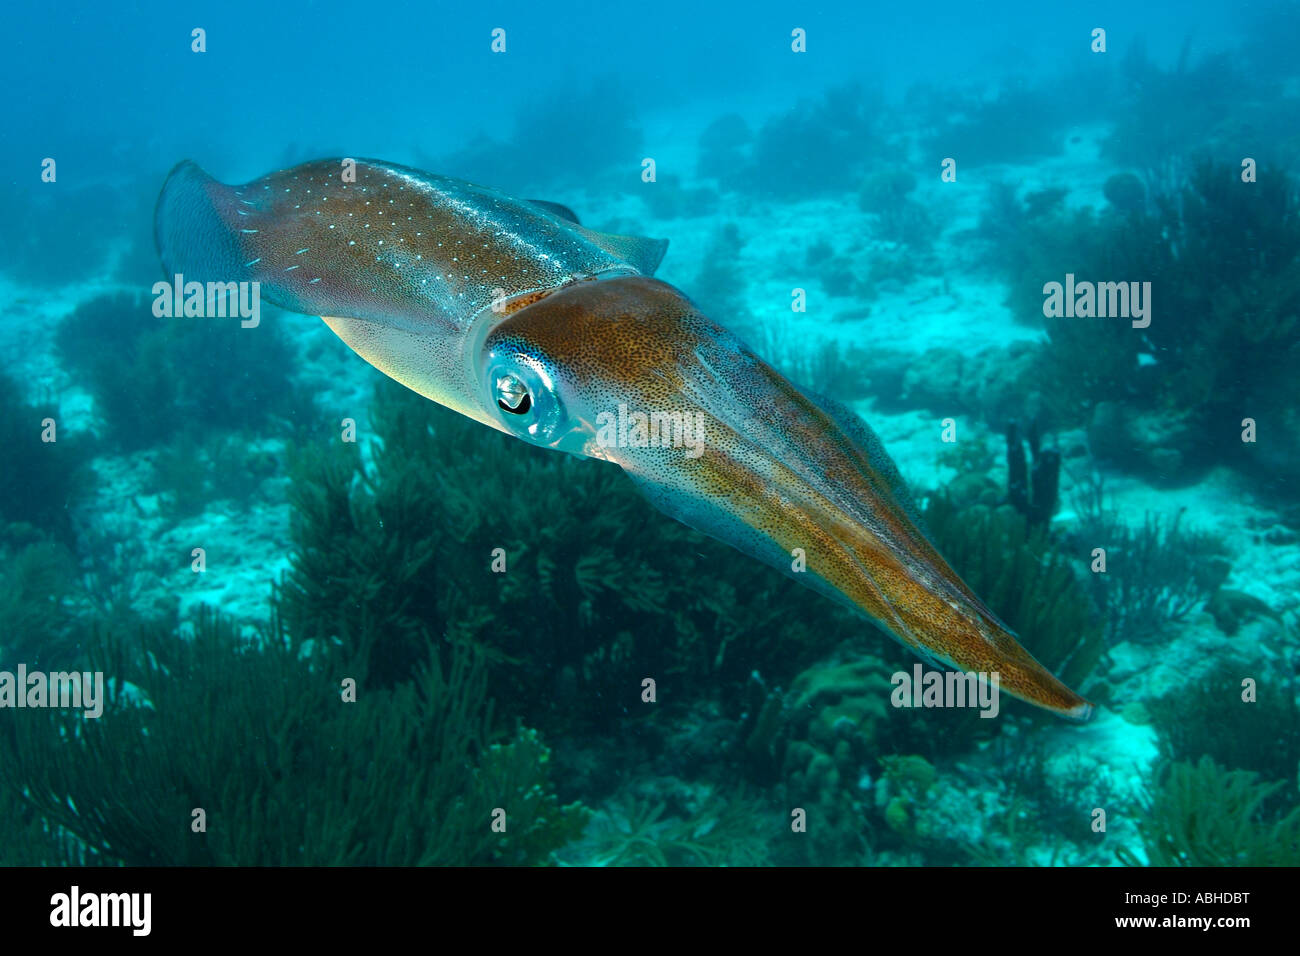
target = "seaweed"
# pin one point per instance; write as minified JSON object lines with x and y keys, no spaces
{"x":347,"y":578}
{"x":1235,"y":303}
{"x":256,"y":734}
{"x":828,"y":368}
{"x":27,"y":838}
{"x":1204,"y":815}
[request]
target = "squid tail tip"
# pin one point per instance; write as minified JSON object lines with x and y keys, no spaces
{"x":1080,"y":713}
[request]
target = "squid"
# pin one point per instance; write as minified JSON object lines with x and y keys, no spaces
{"x":511,"y":312}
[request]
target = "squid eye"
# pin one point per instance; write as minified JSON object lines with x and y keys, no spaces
{"x":512,"y":395}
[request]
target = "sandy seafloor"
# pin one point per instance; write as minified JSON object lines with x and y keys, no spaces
{"x":247,"y":549}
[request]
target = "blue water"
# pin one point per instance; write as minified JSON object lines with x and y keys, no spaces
{"x":880,"y":214}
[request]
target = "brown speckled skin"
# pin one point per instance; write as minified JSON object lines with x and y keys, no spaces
{"x":776,"y":472}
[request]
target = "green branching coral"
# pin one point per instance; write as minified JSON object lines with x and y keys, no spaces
{"x":257,"y":734}
{"x":1203,"y":815}
{"x":823,"y":368}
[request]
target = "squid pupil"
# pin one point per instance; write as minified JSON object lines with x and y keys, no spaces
{"x":525,"y":403}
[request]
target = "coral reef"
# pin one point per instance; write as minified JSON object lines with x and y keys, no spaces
{"x":720,"y":287}
{"x":885,"y":196}
{"x":668,"y":198}
{"x":722,"y":153}
{"x":597,"y":592}
{"x":1018,"y":122}
{"x":1006,"y":214}
{"x":1203,"y":815}
{"x":572,"y":138}
{"x":822,"y":741}
{"x":192,"y":474}
{"x":1223,"y":261}
{"x":905,"y":784}
{"x":257,"y":735}
{"x":838,"y":273}
{"x":1156,"y":575}
{"x":1159,"y":111}
{"x":988,"y":385}
{"x":153,"y":378}
{"x":41,"y":479}
{"x":816,"y":742}
{"x":1212,"y":720}
{"x":38,"y":604}
{"x":634,"y":832}
{"x":1125,"y":192}
{"x":820,"y":145}
{"x":825,"y":724}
